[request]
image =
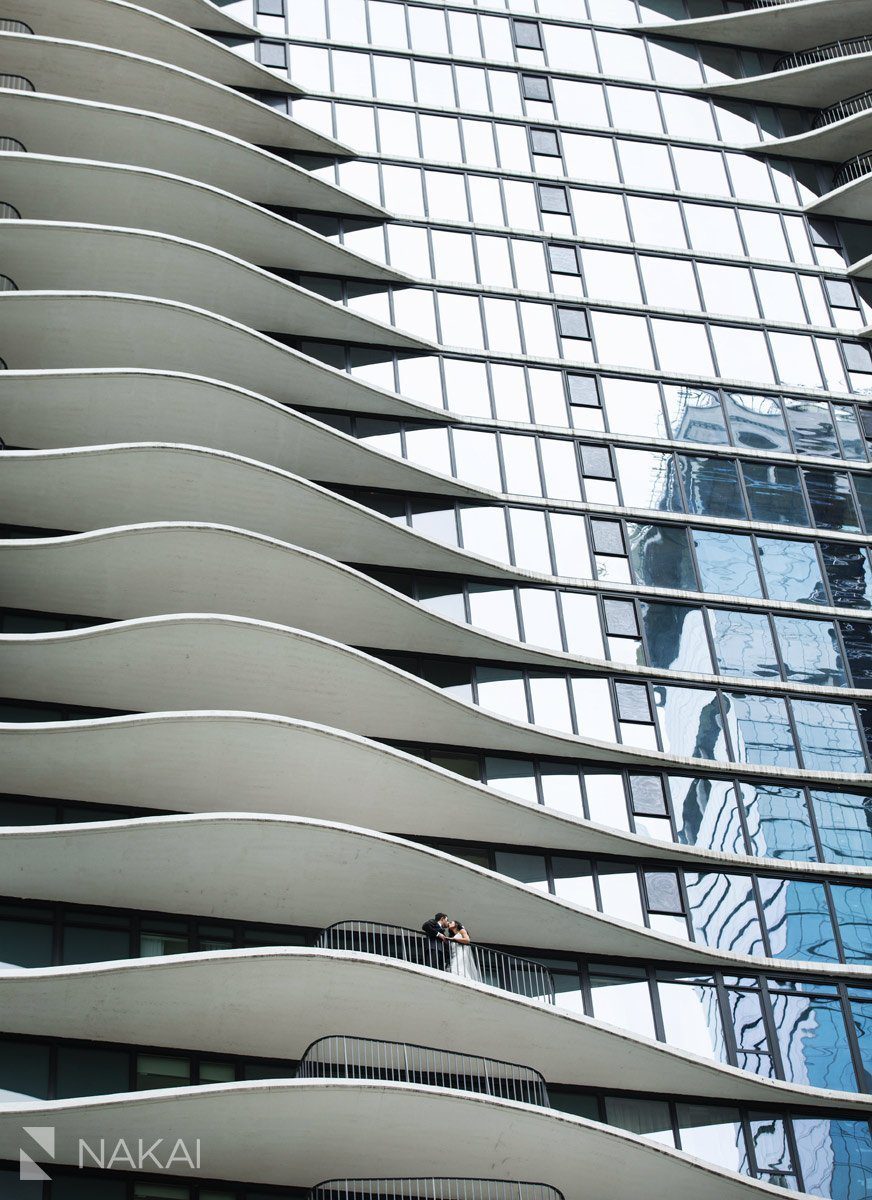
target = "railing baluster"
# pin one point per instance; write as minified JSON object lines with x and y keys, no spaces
{"x":432,"y":1188}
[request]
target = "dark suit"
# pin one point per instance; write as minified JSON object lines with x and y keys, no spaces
{"x":435,"y":950}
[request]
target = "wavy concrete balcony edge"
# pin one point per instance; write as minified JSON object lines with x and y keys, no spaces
{"x":240,"y":1001}
{"x":291,"y":1136}
{"x":141,"y":29}
{"x":153,"y":569}
{"x":794,"y":26}
{"x":201,"y":14}
{"x":835,"y":142}
{"x":88,"y":191}
{"x":314,"y":873}
{"x":126,"y":135}
{"x":815,"y":85}
{"x":55,"y":256}
{"x":257,"y":666}
{"x":219,"y":761}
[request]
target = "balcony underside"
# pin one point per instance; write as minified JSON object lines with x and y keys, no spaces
{"x":74,"y":330}
{"x":835,"y":143}
{"x":237,"y":1002}
{"x":793,"y":26}
{"x":138,"y":30}
{"x":51,"y":256}
{"x":44,"y":188}
{"x":314,"y":873}
{"x":815,"y":86}
{"x":218,"y":762}
{"x":154,"y":569}
{"x":291,"y":1137}
{"x":61,"y":126}
{"x":853,"y":200}
{"x":202,"y":14}
{"x":87,"y":72}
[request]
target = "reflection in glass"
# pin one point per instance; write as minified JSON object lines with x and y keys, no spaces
{"x":774,"y":494}
{"x":660,"y":556}
{"x":835,"y":1156}
{"x":778,"y":822}
{"x":723,"y":911}
{"x":828,"y":736}
{"x":791,"y":570}
{"x":691,"y":1015}
{"x":813,"y":1041}
{"x":711,"y":486}
{"x":760,"y":730}
{"x":706,"y":813}
{"x":743,"y":644}
{"x":757,"y":421}
{"x":809,"y":651}
{"x":844,"y":821}
{"x":676,"y":637}
{"x":714,"y":1134}
{"x":695,"y":414}
{"x":727,"y":565}
{"x":797,"y":919}
{"x":690,"y":722}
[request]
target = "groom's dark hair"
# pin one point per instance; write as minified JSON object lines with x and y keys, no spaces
{"x":439,"y":916}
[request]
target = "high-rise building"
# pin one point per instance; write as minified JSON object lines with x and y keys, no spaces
{"x":436,"y":477}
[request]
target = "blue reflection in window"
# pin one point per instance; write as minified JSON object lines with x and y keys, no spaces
{"x":727,"y":565}
{"x":797,"y":918}
{"x":828,"y":736}
{"x":760,"y":730}
{"x":863,"y":488}
{"x":660,"y":556}
{"x":711,"y":487}
{"x":778,"y":822}
{"x":690,"y":722}
{"x":844,"y":823}
{"x":861,"y":1015}
{"x":791,"y":570}
{"x":813,"y":1041}
{"x":835,"y":1157}
{"x":723,"y":911}
{"x":853,"y":906}
{"x":695,"y":414}
{"x":774,"y":494}
{"x":743,"y":644}
{"x":753,"y":1052}
{"x":706,"y":813}
{"x":848,"y":573}
{"x":757,"y":421}
{"x":676,"y":637}
{"x":809,"y":651}
{"x":831,"y":500}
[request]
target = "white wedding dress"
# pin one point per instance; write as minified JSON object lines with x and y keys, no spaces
{"x":463,"y":962}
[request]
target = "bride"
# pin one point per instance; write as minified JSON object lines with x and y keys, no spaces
{"x":462,"y":961}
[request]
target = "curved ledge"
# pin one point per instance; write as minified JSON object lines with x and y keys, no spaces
{"x":142,"y":30}
{"x":235,"y":663}
{"x":63,"y":330}
{"x":202,"y":762}
{"x":836,"y":142}
{"x":201,"y":14}
{"x":805,"y":23}
{"x":91,"y":72}
{"x":53,"y":256}
{"x":238,"y":1001}
{"x":852,"y":200}
{"x":53,"y":125}
{"x":81,"y":191}
{"x":291,"y":1137}
{"x":53,"y":409}
{"x":275,"y":869}
{"x":813,"y":86}
{"x":154,"y":569}
{"x":89,"y":488}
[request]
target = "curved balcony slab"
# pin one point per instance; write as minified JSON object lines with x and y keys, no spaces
{"x":53,"y":256}
{"x":63,"y":330}
{"x":52,"y":409}
{"x":238,"y":1002}
{"x":289,"y":869}
{"x":142,"y":30}
{"x":852,"y":200}
{"x":155,"y":569}
{"x":255,"y":666}
{"x":91,"y":487}
{"x":87,"y":72}
{"x":232,"y":762}
{"x":70,"y":190}
{"x":804,"y":23}
{"x":202,"y":14}
{"x":815,"y":86}
{"x":291,"y":1137}
{"x":57,"y":125}
{"x":835,"y":142}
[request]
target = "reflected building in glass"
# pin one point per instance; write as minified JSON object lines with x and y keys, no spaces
{"x":499,"y":469}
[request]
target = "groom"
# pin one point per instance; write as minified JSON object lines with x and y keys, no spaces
{"x":436,"y":950}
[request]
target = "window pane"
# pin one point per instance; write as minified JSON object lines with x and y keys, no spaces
{"x":690,"y":722}
{"x":727,"y":565}
{"x":760,"y":730}
{"x":828,"y":736}
{"x":844,"y":822}
{"x":778,"y":822}
{"x":797,"y":919}
{"x":723,"y":911}
{"x":706,"y":813}
{"x":791,"y":570}
{"x":743,"y":644}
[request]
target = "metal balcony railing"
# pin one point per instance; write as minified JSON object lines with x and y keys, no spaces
{"x":845,"y":108}
{"x":432,"y":1189}
{"x":7,"y":285}
{"x":854,"y":168}
{"x":12,"y":144}
{"x":17,"y":83}
{"x":8,"y":25}
{"x":341,"y":1057}
{"x":768,"y":3}
{"x":8,"y":212}
{"x":819,"y":54}
{"x":480,"y":963}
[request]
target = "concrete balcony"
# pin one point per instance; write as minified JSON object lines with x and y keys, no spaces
{"x":837,"y":134}
{"x":87,"y":72}
{"x":201,"y":14}
{"x":809,"y":78}
{"x":768,"y":26}
{"x":62,"y":126}
{"x":45,"y":188}
{"x":53,"y":256}
{"x":851,"y":195}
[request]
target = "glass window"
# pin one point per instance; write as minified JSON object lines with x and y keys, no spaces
{"x":714,"y":1134}
{"x":713,"y":229}
{"x":633,"y":406}
{"x":828,"y":736}
{"x":690,"y":722}
{"x":844,"y":821}
{"x":669,"y":283}
{"x":813,"y":1040}
{"x":853,"y":907}
{"x":757,"y":422}
{"x":647,"y":1118}
{"x":493,"y":608}
{"x":502,"y":691}
{"x":778,"y":822}
{"x":648,"y":480}
{"x":611,"y":275}
{"x":573,"y":881}
{"x":727,"y":565}
{"x":706,"y":813}
{"x":682,"y":347}
{"x":676,"y":637}
{"x":711,"y":487}
{"x":644,"y":165}
{"x":774,"y":494}
{"x":622,"y":340}
{"x":797,"y":919}
{"x":810,"y":651}
{"x":791,"y":570}
{"x":743,"y":644}
{"x":728,"y":290}
{"x":600,"y":215}
{"x":660,"y":556}
{"x":691,"y":1015}
{"x":621,"y":997}
{"x":835,"y":1156}
{"x":657,"y":223}
{"x":848,"y":574}
{"x":723,"y":911}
